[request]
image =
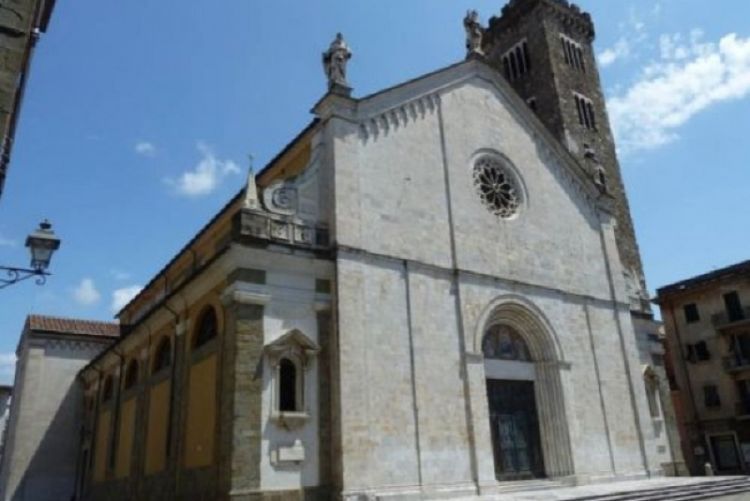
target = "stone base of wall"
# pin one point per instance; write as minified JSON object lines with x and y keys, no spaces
{"x":308,"y":494}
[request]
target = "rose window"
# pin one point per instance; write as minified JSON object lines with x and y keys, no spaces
{"x":496,"y":187}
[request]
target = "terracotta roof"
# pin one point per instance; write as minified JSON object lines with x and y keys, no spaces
{"x":72,"y":326}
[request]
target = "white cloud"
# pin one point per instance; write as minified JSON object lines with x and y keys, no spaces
{"x":619,"y":50}
{"x":206,"y":176}
{"x":688,"y":77}
{"x":120,"y":275}
{"x":7,"y":242}
{"x":86,"y":293}
{"x":145,"y":148}
{"x":121,"y":297}
{"x":7,"y":367}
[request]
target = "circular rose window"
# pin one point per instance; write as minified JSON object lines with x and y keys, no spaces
{"x":497,"y":187}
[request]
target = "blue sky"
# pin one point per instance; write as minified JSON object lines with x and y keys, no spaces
{"x":139,"y":117}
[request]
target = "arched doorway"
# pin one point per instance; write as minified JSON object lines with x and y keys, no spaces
{"x":523,"y":363}
{"x":514,"y":424}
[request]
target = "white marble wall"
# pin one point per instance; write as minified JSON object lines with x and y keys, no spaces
{"x":413,"y":415}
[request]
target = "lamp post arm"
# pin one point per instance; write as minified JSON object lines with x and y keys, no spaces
{"x":16,"y":275}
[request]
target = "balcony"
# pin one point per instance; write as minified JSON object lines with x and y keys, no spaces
{"x":736,"y":363}
{"x":723,"y":320}
{"x":742,"y":410}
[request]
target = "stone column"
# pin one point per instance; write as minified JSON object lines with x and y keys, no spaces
{"x":241,"y":394}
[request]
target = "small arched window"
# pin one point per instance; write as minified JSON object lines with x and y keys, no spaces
{"x":131,"y":374}
{"x":287,"y":386}
{"x":207,"y":327}
{"x":505,"y":343}
{"x":163,"y":355}
{"x":107,"y":390}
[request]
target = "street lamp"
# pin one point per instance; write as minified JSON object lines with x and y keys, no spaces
{"x":42,"y":243}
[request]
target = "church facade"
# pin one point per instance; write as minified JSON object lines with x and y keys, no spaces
{"x":428,"y":292}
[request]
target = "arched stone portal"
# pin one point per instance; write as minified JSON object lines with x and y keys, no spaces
{"x":522,"y":363}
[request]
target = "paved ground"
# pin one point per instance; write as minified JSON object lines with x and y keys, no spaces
{"x":571,"y":493}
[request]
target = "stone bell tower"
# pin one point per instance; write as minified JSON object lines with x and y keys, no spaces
{"x":544,"y":49}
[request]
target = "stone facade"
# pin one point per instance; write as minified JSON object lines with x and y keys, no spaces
{"x":445,"y":268}
{"x":325,"y":335}
{"x":706,"y":323}
{"x":21,"y":23}
{"x":42,"y":437}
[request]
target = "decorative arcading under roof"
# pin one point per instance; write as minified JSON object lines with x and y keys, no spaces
{"x":567,"y":12}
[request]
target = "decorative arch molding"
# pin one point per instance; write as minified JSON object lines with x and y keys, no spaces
{"x":547,"y":355}
{"x":528,"y":319}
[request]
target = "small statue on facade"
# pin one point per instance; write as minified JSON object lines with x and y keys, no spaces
{"x":597,"y":171}
{"x":334,"y":63}
{"x":474,"y":33}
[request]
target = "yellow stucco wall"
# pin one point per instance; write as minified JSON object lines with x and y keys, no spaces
{"x":100,"y":450}
{"x":201,"y":414}
{"x":158,"y":423}
{"x":125,"y":440}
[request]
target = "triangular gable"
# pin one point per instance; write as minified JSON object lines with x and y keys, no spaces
{"x":379,"y":111}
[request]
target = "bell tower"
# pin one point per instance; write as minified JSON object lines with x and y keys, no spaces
{"x":544,"y":49}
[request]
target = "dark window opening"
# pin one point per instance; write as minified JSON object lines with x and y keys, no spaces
{"x":287,"y":386}
{"x":163,"y":356}
{"x":585,"y":110}
{"x":516,"y":61}
{"x":565,"y":50}
{"x":691,"y":313}
{"x":698,"y":352}
{"x":733,"y":306}
{"x":526,"y":58}
{"x":207,"y":327}
{"x":131,"y":374}
{"x":531,"y":102}
{"x":514,"y":64}
{"x":573,"y":54}
{"x":711,"y":396}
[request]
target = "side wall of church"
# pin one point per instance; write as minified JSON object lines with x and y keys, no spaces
{"x":420,"y":259}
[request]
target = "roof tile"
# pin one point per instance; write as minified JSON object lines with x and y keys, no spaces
{"x":72,"y":326}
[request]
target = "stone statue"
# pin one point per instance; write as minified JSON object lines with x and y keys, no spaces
{"x":596,"y":169}
{"x":474,"y":33}
{"x":334,"y":63}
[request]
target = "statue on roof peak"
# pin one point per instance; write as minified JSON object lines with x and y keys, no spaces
{"x":334,"y":63}
{"x":474,"y":33}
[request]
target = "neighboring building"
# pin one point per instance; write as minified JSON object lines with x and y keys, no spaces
{"x":43,"y":435}
{"x":432,"y":290}
{"x":707,"y":321}
{"x":21,"y":22}
{"x":6,"y":393}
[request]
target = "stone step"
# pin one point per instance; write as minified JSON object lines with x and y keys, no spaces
{"x":695,"y":491}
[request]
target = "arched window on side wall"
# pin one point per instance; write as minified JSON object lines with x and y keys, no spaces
{"x":288,"y":399}
{"x":207,"y":327}
{"x":107,"y":390}
{"x":163,"y":355}
{"x":131,"y":374}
